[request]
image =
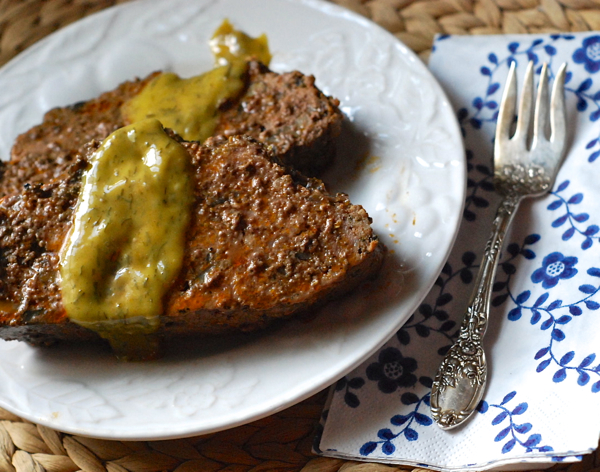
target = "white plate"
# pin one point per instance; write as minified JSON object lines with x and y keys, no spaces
{"x":401,"y":158}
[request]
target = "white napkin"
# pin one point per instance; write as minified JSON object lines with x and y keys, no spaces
{"x":542,"y":403}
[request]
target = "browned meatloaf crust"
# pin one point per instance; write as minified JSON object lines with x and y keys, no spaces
{"x":285,"y":111}
{"x":261,"y":246}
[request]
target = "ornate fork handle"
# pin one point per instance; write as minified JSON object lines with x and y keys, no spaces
{"x":459,"y":384}
{"x":523,"y":166}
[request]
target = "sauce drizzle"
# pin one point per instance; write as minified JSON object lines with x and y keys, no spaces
{"x":191,"y":106}
{"x":126,"y":244}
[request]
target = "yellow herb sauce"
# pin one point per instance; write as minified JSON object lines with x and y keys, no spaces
{"x":191,"y":106}
{"x":230,"y":46}
{"x":126,"y":244}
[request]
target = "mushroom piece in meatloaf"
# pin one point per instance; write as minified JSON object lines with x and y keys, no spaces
{"x":262,"y":245}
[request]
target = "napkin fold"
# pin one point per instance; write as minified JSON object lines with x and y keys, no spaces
{"x":542,"y":403}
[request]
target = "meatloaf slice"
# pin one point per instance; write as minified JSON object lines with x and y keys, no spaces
{"x":261,"y":246}
{"x":285,"y":111}
{"x":43,"y":152}
{"x":289,"y":113}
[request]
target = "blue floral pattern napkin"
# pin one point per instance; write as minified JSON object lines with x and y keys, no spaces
{"x":542,"y":403}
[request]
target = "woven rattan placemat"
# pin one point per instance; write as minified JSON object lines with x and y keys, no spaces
{"x":281,"y":442}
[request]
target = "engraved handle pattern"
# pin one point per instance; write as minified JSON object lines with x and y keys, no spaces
{"x":459,"y":384}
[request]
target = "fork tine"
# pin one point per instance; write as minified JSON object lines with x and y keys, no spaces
{"x":506,"y":114}
{"x":525,"y":105}
{"x":557,"y":109}
{"x":541,"y":108}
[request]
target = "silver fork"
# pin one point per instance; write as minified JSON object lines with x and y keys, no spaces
{"x":523,"y":167}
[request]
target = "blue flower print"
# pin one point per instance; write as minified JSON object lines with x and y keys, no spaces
{"x":393,"y":370}
{"x":554,"y":267}
{"x":589,"y":54}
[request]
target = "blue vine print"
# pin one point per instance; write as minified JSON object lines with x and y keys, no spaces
{"x":582,"y":104}
{"x":392,"y":370}
{"x":474,"y":184}
{"x":551,"y":317}
{"x":589,"y":55}
{"x":573,"y":220}
{"x":486,"y":105}
{"x":513,"y":432}
{"x":433,"y":317}
{"x":509,"y":269}
{"x":387,"y":436}
{"x":350,"y":398}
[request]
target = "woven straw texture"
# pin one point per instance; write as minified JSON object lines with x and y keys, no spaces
{"x":281,"y":442}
